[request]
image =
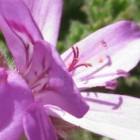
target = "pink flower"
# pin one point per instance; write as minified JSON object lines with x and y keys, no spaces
{"x":97,"y":61}
{"x":40,"y":78}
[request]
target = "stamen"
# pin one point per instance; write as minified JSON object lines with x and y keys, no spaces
{"x":73,"y":65}
{"x":92,"y":76}
{"x":114,"y":105}
{"x":75,"y":51}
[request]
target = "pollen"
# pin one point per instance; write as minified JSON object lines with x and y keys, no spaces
{"x":100,"y":60}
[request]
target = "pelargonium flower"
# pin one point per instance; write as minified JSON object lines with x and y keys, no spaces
{"x":39,"y":74}
{"x":97,"y":61}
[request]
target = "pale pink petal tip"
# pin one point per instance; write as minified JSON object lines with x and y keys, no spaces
{"x":114,"y":116}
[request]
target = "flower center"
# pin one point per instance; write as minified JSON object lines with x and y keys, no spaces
{"x":74,"y":64}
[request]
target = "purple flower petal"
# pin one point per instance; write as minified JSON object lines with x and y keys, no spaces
{"x":37,"y":125}
{"x":105,"y":55}
{"x":121,"y":123}
{"x":19,"y":30}
{"x":47,"y":14}
{"x":15,"y":96}
{"x":49,"y":79}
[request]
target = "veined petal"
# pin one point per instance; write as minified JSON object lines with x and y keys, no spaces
{"x":48,"y":75}
{"x":111,"y":52}
{"x":122,"y":123}
{"x":47,"y":14}
{"x":19,"y":29}
{"x":37,"y":125}
{"x":15,"y":96}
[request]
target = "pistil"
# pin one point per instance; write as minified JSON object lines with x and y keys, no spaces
{"x":73,"y":65}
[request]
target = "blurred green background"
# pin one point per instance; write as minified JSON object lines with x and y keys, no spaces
{"x":82,"y":17}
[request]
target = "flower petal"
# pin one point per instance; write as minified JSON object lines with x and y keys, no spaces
{"x":47,"y":14}
{"x":48,"y":75}
{"x":19,"y":29}
{"x":122,"y":123}
{"x":15,"y":96}
{"x":37,"y":125}
{"x":111,"y":53}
